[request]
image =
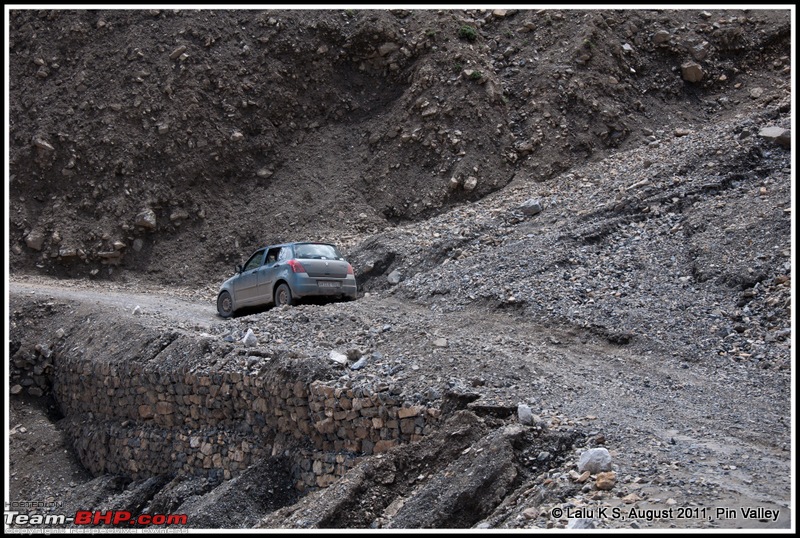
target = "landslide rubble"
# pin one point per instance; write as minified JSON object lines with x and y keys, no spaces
{"x":571,"y":229}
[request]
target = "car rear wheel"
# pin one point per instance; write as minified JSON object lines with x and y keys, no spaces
{"x":225,"y":304}
{"x":283,"y":295}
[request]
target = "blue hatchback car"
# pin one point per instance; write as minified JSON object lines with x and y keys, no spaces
{"x":283,"y":274}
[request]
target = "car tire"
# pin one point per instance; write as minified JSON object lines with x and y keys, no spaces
{"x":225,"y":304}
{"x":283,"y":295}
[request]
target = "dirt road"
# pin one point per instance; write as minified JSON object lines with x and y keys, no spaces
{"x":705,"y":434}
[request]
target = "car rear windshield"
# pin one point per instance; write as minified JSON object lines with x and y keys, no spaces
{"x":318,"y":252}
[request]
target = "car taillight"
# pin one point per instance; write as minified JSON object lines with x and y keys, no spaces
{"x":349,"y":269}
{"x":296,"y":266}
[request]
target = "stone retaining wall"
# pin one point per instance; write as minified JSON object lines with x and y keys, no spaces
{"x":138,"y":419}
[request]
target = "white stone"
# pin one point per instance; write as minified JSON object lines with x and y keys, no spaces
{"x":338,"y":358}
{"x":524,"y":414}
{"x":595,"y":460}
{"x":250,"y":339}
{"x":779,"y":135}
{"x":395,"y":277}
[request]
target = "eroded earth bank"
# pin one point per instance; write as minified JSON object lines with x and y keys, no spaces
{"x":571,"y":231}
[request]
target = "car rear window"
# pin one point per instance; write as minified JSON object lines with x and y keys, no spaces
{"x":316,"y":251}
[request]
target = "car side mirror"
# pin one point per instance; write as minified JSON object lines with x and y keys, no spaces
{"x":239,"y":268}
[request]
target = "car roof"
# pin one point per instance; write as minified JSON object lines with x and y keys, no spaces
{"x":298,"y":243}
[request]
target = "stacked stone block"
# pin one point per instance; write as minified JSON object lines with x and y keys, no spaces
{"x":140,"y":419}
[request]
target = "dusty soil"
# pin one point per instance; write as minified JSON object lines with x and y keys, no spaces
{"x":679,"y":435}
{"x":645,"y":308}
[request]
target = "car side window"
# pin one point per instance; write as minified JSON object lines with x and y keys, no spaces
{"x":285,"y":254}
{"x":254,"y":261}
{"x":272,"y":255}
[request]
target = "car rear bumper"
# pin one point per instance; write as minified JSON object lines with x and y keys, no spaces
{"x":305,"y":286}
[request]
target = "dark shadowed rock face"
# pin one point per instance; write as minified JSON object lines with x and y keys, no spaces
{"x":571,"y":230}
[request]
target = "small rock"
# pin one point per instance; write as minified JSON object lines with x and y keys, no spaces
{"x":699,"y":52}
{"x":661,"y":37}
{"x":250,"y":339}
{"x":440,"y":342}
{"x":237,"y":136}
{"x":692,"y":72}
{"x":359,"y":364}
{"x":395,"y":277}
{"x":606,"y":481}
{"x":16,"y":389}
{"x":524,"y":414}
{"x":43,"y":144}
{"x":34,"y":240}
{"x":137,"y":310}
{"x":595,"y":460}
{"x":338,"y":358}
{"x":631,"y":498}
{"x":146,"y":219}
{"x":177,"y":52}
{"x":779,"y":135}
{"x":755,"y":93}
{"x":470,"y":183}
{"x":531,"y":207}
{"x":179,"y":214}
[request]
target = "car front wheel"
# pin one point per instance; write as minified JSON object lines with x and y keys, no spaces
{"x":283,"y":295}
{"x":225,"y":304}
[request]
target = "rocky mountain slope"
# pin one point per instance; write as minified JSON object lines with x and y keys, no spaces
{"x":171,"y":143}
{"x":584,"y":211}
